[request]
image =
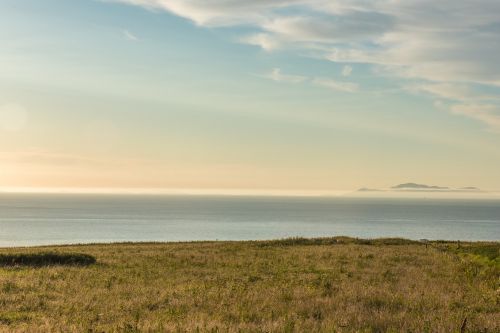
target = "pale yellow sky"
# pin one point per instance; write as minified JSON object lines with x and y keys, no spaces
{"x":118,"y":97}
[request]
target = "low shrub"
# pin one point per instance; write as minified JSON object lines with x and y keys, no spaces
{"x":46,"y":259}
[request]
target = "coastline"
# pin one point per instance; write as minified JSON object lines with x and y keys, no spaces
{"x":352,"y":239}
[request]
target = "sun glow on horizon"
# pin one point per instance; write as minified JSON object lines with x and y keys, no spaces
{"x":111,"y":96}
{"x":254,"y":193}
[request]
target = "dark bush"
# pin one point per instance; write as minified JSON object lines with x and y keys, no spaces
{"x":335,"y":240}
{"x":292,"y":241}
{"x":46,"y":259}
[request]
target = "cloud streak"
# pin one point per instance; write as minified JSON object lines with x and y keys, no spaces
{"x":448,"y":46}
{"x":278,"y":76}
{"x":346,"y":70}
{"x":348,"y":87}
{"x":129,"y":36}
{"x":342,"y":86}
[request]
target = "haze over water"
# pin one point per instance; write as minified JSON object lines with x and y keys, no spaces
{"x":37,"y":219}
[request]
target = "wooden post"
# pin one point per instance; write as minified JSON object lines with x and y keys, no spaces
{"x":464,"y":325}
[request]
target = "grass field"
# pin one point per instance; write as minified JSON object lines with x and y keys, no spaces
{"x":294,"y":285}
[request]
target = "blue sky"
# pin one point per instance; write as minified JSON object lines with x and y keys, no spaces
{"x":234,"y":95}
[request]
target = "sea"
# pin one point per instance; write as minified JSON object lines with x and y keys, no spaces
{"x":44,"y":219}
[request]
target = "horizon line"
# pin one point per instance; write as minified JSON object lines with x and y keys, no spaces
{"x":173,"y":191}
{"x":250,"y":192}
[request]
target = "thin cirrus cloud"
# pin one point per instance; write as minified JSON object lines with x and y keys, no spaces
{"x":487,"y":113}
{"x":464,"y":101}
{"x":348,"y":87}
{"x":346,"y":70}
{"x":454,"y":43}
{"x":277,"y":75}
{"x":129,"y":36}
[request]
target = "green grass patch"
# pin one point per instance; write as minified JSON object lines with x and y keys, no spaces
{"x":489,"y":251}
{"x":9,"y":318}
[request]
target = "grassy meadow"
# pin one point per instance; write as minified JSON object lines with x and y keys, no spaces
{"x":293,"y":285}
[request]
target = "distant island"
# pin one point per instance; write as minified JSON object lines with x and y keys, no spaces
{"x":415,"y":187}
{"x":419,"y":186}
{"x":365,"y":189}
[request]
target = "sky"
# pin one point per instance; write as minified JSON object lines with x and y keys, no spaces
{"x":232,"y":95}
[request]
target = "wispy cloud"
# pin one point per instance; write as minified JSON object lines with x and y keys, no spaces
{"x":278,"y":76}
{"x":342,"y":86}
{"x":464,"y":101}
{"x":346,"y":70}
{"x":487,"y":113}
{"x":441,"y":43}
{"x":129,"y":36}
{"x":452,"y":40}
{"x":263,"y":40}
{"x":349,"y":87}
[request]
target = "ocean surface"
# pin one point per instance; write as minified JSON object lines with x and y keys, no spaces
{"x":38,"y":219}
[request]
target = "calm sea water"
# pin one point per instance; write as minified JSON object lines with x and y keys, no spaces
{"x":29,"y":219}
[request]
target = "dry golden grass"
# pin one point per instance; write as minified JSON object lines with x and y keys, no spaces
{"x":328,"y":285}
